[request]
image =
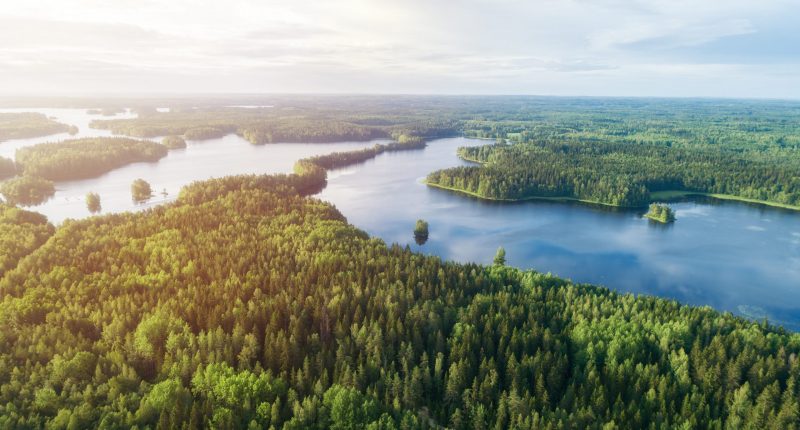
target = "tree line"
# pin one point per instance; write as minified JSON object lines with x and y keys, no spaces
{"x":621,"y":174}
{"x":289,"y":125}
{"x":85,"y":158}
{"x":25,"y":125}
{"x":247,"y":304}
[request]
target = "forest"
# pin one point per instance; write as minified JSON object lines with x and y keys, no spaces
{"x":290,"y":124}
{"x":7,"y":168}
{"x":248,"y":304}
{"x":25,"y":125}
{"x":21,"y":232}
{"x":610,"y":151}
{"x":621,"y":152}
{"x":27,"y":190}
{"x":661,"y":213}
{"x":174,"y":142}
{"x":623,"y":174}
{"x":85,"y":158}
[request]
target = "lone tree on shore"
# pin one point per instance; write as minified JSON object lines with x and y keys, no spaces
{"x":93,"y":203}
{"x":141,"y":191}
{"x":421,"y":232}
{"x":500,"y":257}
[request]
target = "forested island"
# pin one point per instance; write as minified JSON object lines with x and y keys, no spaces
{"x":27,"y":190}
{"x":93,"y":203}
{"x":421,"y":232}
{"x":661,"y":213}
{"x":26,"y":125}
{"x":249,"y":305}
{"x":141,"y":191}
{"x":85,"y":158}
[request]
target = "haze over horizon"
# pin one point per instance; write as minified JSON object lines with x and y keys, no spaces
{"x":738,"y":48}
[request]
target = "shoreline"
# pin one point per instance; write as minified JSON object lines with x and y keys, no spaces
{"x":675,"y":194}
{"x":554,"y":199}
{"x":654,"y":196}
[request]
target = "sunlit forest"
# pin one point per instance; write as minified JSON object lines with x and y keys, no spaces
{"x":399,"y":215}
{"x":247,"y":305}
{"x":21,"y":125}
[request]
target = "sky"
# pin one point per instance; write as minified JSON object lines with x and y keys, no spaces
{"x":682,"y":48}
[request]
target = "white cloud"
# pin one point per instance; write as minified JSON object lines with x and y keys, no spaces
{"x":624,"y":47}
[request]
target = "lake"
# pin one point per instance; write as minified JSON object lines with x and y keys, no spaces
{"x":213,"y":158}
{"x":731,"y":256}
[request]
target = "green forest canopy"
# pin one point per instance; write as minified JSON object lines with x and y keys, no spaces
{"x":27,"y":190}
{"x":85,"y":158}
{"x":610,"y":151}
{"x":245,"y":304}
{"x":25,"y":125}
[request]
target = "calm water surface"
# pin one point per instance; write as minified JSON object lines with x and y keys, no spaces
{"x":214,"y":158}
{"x":732,"y":256}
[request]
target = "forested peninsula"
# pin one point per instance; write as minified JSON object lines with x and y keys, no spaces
{"x":85,"y":158}
{"x":623,"y":152}
{"x":248,"y":304}
{"x":24,"y":125}
{"x":619,"y":174}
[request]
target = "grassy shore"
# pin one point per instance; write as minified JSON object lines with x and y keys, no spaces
{"x":652,"y":218}
{"x":654,"y":197}
{"x":675,"y":194}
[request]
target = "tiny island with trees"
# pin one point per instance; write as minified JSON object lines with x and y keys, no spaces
{"x":93,"y":202}
{"x":40,"y":166}
{"x":141,"y":191}
{"x":660,"y":212}
{"x":421,"y":232}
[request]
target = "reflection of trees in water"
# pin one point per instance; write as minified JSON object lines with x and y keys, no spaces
{"x":421,"y":232}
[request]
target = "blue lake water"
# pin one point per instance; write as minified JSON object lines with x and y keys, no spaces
{"x":732,"y":256}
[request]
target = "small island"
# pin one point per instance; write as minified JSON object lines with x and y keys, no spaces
{"x":421,"y":232}
{"x":141,"y":191}
{"x":93,"y":202}
{"x":660,"y":212}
